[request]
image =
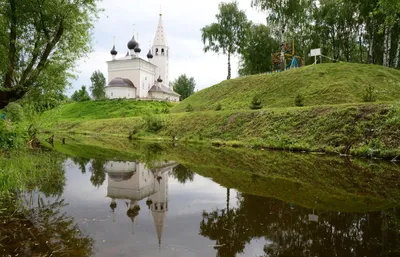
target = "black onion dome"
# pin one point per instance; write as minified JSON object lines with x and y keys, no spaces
{"x":137,"y":49}
{"x":149,"y":55}
{"x":159,"y":79}
{"x":113,"y":51}
{"x":132,"y":43}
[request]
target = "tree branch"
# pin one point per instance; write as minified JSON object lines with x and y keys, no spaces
{"x":12,"y":46}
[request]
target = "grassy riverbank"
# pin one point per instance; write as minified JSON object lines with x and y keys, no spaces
{"x":335,"y":119}
{"x":360,"y":129}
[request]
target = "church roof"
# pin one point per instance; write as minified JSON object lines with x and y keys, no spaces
{"x":120,"y":82}
{"x":159,"y":38}
{"x":120,"y":176}
{"x":162,"y":89}
{"x":159,"y":218}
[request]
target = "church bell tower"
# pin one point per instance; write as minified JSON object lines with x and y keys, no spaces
{"x":161,"y":53}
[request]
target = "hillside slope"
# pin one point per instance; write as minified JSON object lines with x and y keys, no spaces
{"x":323,"y":84}
{"x":106,"y":109}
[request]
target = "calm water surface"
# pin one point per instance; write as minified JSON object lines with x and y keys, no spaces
{"x":128,"y":208}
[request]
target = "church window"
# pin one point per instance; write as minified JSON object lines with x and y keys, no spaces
{"x":156,"y":51}
{"x":162,"y":51}
{"x":162,"y":207}
{"x":111,"y":94}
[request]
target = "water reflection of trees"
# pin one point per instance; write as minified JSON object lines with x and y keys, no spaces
{"x":292,"y":233}
{"x":98,"y":173}
{"x":182,"y":174}
{"x":43,"y":230}
{"x":81,"y":162}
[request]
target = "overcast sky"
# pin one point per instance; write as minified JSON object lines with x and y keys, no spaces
{"x":182,"y":20}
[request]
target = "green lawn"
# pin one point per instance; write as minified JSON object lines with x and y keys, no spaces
{"x":325,"y":84}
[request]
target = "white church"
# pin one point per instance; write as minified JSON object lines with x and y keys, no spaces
{"x":133,"y":182}
{"x":133,"y":77}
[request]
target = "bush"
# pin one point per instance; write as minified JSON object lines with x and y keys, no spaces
{"x":154,"y":123}
{"x":219,"y":107}
{"x":189,"y":108}
{"x":299,"y":100}
{"x":256,"y":103}
{"x":9,"y":137}
{"x":370,"y":95}
{"x":165,"y":110}
{"x":14,"y":112}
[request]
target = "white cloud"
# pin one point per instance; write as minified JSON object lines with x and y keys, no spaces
{"x":182,"y":21}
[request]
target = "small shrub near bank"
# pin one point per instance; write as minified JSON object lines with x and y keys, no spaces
{"x":219,"y":107}
{"x":14,"y":112}
{"x":189,"y":108}
{"x":154,"y":123}
{"x":370,"y":94}
{"x":256,"y":103}
{"x":10,"y":137}
{"x":299,"y":100}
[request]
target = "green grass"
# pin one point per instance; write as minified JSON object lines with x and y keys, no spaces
{"x":107,"y":109}
{"x":27,"y":170}
{"x":325,"y":84}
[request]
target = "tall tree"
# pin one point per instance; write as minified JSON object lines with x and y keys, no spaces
{"x":80,"y":95}
{"x":285,"y":16}
{"x":98,"y":86}
{"x":226,"y":35}
{"x":184,"y":86}
{"x":256,"y":52}
{"x":40,"y":41}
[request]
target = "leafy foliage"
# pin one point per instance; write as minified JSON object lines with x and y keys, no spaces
{"x":227,"y":34}
{"x":299,"y":100}
{"x":98,"y":85}
{"x":189,"y":108}
{"x":219,"y":107}
{"x":80,"y":95}
{"x":256,"y":50}
{"x":41,"y":42}
{"x":184,"y":86}
{"x":370,"y":94}
{"x":154,"y":123}
{"x":14,"y":112}
{"x":256,"y":103}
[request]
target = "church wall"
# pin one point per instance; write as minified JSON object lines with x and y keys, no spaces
{"x":140,"y":185}
{"x":147,"y":81}
{"x":120,"y":92}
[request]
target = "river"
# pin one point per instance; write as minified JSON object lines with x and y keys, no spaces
{"x":183,"y":201}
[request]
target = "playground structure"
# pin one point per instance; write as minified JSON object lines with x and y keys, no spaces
{"x":290,"y":59}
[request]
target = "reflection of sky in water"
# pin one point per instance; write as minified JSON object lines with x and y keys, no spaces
{"x":91,"y":209}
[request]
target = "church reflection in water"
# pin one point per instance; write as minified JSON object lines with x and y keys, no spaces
{"x":133,"y":182}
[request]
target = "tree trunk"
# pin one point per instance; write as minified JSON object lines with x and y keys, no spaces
{"x":228,"y":196}
{"x":10,"y":95}
{"x":229,"y":66}
{"x":361,"y":51}
{"x":396,"y":59}
{"x":387,"y":46}
{"x":12,"y":46}
{"x":371,"y":48}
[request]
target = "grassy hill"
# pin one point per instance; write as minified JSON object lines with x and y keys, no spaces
{"x":108,"y":109}
{"x":323,"y":84}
